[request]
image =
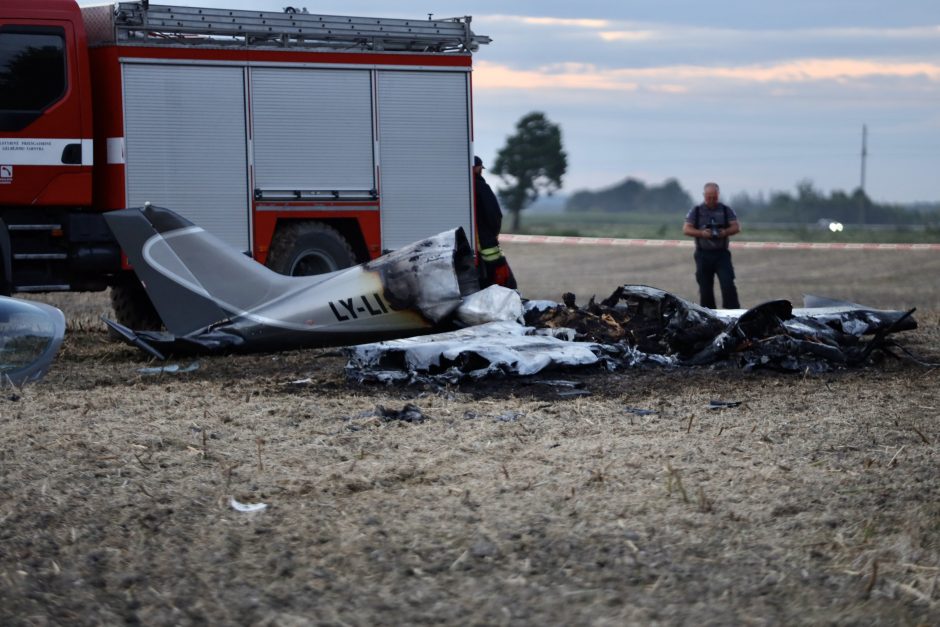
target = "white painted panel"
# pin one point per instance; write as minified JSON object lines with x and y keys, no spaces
{"x":424,"y":147}
{"x":312,"y":129}
{"x":41,"y":151}
{"x":185,"y":144}
{"x":116,"y":151}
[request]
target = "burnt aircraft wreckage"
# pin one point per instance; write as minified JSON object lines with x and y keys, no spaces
{"x":422,"y":310}
{"x":636,"y":326}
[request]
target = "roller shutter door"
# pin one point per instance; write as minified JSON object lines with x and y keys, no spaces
{"x":424,"y":148}
{"x":186,"y":144}
{"x":312,"y":129}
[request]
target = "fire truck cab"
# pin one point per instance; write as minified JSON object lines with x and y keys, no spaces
{"x":309,"y":142}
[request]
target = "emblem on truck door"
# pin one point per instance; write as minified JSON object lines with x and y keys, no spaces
{"x":6,"y":174}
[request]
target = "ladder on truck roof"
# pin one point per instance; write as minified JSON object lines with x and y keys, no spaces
{"x":142,"y":22}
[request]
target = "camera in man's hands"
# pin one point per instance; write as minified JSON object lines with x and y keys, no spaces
{"x":713,"y":227}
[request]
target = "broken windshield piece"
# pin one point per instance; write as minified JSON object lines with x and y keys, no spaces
{"x":30,"y":336}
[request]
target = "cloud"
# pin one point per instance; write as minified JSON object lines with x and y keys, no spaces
{"x":677,"y":79}
{"x":629,"y":35}
{"x":622,"y":30}
{"x":803,"y":70}
{"x":557,"y":21}
{"x":888,"y":33}
{"x":520,"y":40}
{"x":647,"y":32}
{"x":487,"y":75}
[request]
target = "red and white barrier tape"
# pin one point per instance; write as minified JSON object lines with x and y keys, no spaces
{"x":688,"y":243}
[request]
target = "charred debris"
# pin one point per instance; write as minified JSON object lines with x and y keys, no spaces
{"x":641,"y":326}
{"x":822,"y":334}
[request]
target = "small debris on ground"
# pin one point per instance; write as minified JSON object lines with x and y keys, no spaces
{"x":723,"y":404}
{"x":246,"y":507}
{"x":572,"y":393}
{"x":169,"y":369}
{"x":368,"y":413}
{"x":509,"y":416}
{"x":565,"y":388}
{"x":559,"y":383}
{"x":408,"y":413}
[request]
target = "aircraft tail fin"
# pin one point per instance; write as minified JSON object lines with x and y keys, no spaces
{"x":193,"y":278}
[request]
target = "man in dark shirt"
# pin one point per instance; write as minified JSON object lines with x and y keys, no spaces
{"x":711,"y":224}
{"x":495,"y":268}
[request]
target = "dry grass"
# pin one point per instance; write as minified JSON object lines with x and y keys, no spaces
{"x":816,"y":500}
{"x":891,"y":279}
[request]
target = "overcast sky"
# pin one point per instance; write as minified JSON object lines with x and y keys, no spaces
{"x":754,"y":95}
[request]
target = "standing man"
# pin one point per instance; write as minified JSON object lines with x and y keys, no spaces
{"x":494,"y":269}
{"x":711,"y":224}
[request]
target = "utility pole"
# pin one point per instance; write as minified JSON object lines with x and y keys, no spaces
{"x":861,"y":199}
{"x":864,"y":154}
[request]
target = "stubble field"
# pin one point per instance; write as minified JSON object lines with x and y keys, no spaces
{"x":817,"y":500}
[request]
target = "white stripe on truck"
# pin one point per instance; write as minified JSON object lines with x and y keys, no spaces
{"x":41,"y":151}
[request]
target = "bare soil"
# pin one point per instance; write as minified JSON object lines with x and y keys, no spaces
{"x":816,"y":500}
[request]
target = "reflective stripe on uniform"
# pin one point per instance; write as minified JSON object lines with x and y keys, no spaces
{"x":491,"y":254}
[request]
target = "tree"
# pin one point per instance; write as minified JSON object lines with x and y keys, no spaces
{"x":532,"y":162}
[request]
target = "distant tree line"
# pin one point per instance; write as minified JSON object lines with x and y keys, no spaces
{"x":633,"y":195}
{"x":810,"y":204}
{"x":807,"y":205}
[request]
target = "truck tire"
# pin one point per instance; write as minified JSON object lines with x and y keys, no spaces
{"x":307,"y":248}
{"x":132,"y":307}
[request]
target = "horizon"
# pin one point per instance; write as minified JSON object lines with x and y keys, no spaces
{"x":727,"y":197}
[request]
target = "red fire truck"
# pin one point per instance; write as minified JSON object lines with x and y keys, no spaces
{"x":310,"y":142}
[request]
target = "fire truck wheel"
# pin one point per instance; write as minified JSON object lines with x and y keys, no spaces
{"x":132,"y":307}
{"x":306,"y":248}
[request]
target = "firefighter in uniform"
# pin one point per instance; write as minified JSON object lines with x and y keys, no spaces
{"x":495,"y":269}
{"x":711,"y":224}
